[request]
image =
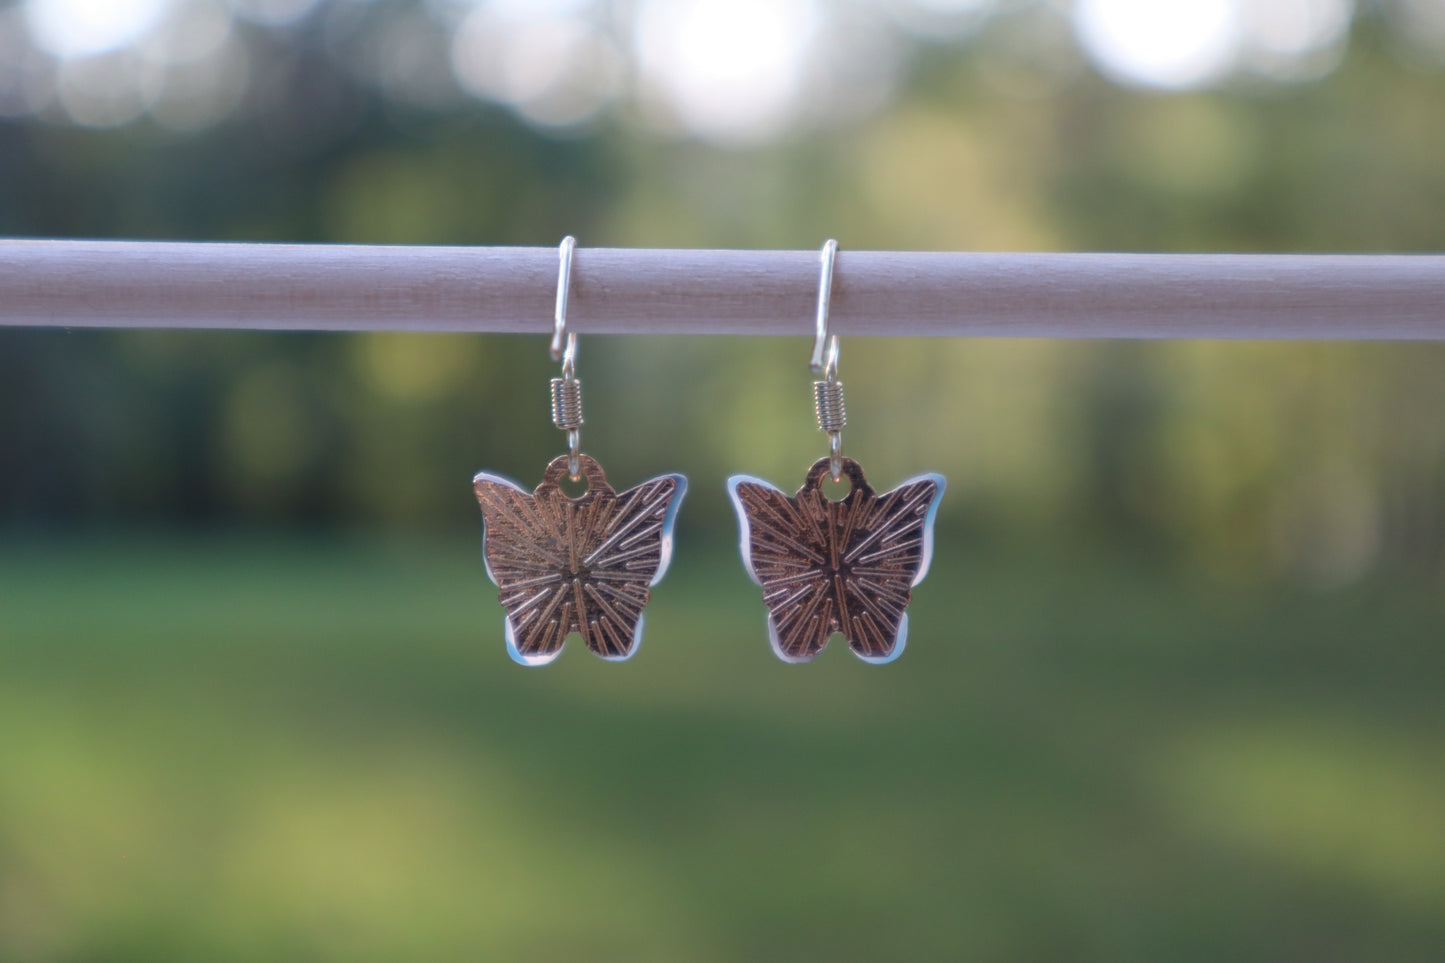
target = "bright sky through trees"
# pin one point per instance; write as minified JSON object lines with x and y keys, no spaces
{"x":729,"y":71}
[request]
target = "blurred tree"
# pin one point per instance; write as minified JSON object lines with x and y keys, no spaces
{"x":377,"y":123}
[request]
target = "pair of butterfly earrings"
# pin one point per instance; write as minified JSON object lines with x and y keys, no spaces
{"x":587,"y":563}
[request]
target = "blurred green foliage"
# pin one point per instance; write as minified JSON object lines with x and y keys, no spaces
{"x":249,"y":750}
{"x":1313,"y":461}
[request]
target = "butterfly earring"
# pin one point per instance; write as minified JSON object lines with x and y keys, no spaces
{"x":583,"y":564}
{"x":846,"y":566}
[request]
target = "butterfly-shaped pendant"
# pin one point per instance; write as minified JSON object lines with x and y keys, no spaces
{"x":844,"y":566}
{"x":583,"y":564}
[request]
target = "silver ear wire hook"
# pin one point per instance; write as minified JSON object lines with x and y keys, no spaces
{"x":825,"y":298}
{"x":828,"y":393}
{"x":560,"y":335}
{"x":566,"y":390}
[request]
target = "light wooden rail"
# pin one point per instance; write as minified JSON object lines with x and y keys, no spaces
{"x":142,"y":284}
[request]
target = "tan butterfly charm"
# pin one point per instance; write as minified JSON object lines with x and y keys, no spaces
{"x":845,"y":566}
{"x":583,"y":564}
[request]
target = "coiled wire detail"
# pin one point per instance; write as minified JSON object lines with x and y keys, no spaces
{"x":567,"y":403}
{"x":828,"y":404}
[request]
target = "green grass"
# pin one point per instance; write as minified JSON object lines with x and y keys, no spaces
{"x":248,"y":750}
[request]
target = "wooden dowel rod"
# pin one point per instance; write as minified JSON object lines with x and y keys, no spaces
{"x":142,"y":284}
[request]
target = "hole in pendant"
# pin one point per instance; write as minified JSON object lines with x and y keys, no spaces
{"x":574,"y":489}
{"x":835,"y":491}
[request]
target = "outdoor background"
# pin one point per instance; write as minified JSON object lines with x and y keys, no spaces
{"x":1173,"y":687}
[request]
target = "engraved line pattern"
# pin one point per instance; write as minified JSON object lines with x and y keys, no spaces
{"x":846,"y":566}
{"x":583,"y":564}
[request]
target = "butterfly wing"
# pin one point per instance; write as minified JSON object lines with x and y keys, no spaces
{"x":521,"y":547}
{"x":784,"y":551}
{"x":888,"y":552}
{"x":629,"y":548}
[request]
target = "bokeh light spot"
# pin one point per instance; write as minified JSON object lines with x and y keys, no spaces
{"x":1175,"y":44}
{"x":108,"y":90}
{"x":27,"y":75}
{"x":727,"y":69}
{"x":545,"y":60}
{"x":192,"y":32}
{"x":1295,"y":39}
{"x":76,"y":28}
{"x":201,"y":93}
